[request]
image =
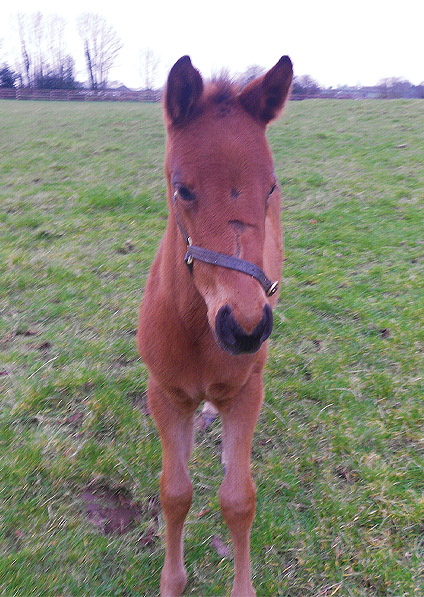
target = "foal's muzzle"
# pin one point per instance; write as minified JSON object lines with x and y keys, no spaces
{"x":233,"y":338}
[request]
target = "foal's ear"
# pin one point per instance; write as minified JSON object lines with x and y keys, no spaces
{"x":185,"y":86}
{"x":264,"y":97}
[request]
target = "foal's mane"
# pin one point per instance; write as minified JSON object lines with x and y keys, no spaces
{"x":220,"y":90}
{"x":220,"y":93}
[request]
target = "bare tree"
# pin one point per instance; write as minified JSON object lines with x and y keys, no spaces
{"x":39,"y":46}
{"x":395,"y":87}
{"x":26,"y":60}
{"x":42,"y":47}
{"x":149,"y":67}
{"x":101,"y":47}
{"x":32,"y":40}
{"x":305,"y":86}
{"x":252,"y":72}
{"x":55,"y":41}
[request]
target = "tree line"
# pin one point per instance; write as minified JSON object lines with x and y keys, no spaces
{"x":43,"y":62}
{"x":305,"y":87}
{"x":391,"y":88}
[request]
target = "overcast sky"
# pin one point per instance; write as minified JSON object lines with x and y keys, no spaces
{"x":335,"y":41}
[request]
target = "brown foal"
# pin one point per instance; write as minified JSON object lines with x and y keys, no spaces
{"x":207,"y":306}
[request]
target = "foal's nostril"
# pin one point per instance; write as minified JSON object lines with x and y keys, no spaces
{"x":232,"y":336}
{"x":224,"y":325}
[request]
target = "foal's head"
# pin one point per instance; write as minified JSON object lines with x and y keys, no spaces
{"x":223,"y":192}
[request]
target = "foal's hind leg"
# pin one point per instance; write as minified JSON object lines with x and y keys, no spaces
{"x":175,"y":426}
{"x":237,"y":492}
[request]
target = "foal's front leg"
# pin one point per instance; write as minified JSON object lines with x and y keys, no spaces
{"x":238,"y":492}
{"x":175,"y":426}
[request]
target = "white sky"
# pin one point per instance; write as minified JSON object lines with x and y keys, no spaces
{"x":335,"y":41}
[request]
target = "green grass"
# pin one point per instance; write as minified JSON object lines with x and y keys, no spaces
{"x":339,"y":450}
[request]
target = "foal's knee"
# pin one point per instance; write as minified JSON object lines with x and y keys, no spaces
{"x":238,"y":504}
{"x":176,"y":496}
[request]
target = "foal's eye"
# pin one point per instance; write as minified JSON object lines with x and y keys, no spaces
{"x":186,"y":194}
{"x":274,"y":186}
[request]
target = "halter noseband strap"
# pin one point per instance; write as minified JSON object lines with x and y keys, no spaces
{"x":222,"y":260}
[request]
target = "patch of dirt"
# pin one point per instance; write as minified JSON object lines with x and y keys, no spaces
{"x":112,"y":511}
{"x":126,"y":248}
{"x":347,"y":474}
{"x":43,"y":347}
{"x":139,"y":399}
{"x":26,"y":332}
{"x":374,"y":330}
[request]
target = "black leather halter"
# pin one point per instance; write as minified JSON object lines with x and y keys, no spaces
{"x":222,"y":260}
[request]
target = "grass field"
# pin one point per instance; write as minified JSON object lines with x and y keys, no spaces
{"x":338,"y":455}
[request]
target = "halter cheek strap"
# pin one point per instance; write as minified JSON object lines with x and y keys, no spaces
{"x":222,"y":260}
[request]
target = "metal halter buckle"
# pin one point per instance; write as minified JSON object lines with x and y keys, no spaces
{"x":189,"y":259}
{"x":273,"y":289}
